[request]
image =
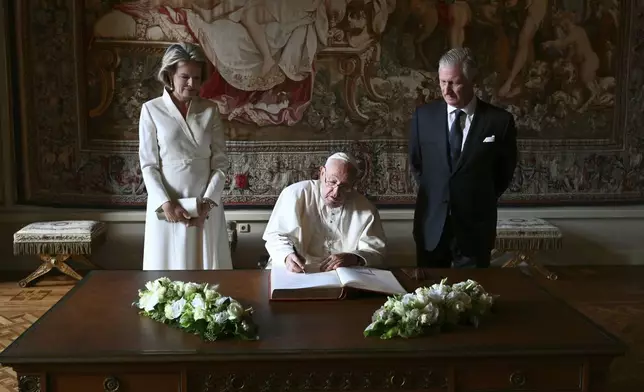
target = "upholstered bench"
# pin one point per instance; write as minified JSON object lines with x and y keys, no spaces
{"x":524,"y":237}
{"x":56,"y":242}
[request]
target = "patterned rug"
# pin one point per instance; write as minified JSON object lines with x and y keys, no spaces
{"x":613,"y":297}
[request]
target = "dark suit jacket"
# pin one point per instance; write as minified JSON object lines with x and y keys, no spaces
{"x":471,"y":189}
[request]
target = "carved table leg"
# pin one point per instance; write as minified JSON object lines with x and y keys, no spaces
{"x":29,"y":383}
{"x":528,"y":258}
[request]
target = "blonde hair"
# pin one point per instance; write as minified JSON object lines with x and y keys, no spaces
{"x":176,"y":53}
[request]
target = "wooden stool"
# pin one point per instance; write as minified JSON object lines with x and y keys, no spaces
{"x":56,"y":242}
{"x":524,"y":237}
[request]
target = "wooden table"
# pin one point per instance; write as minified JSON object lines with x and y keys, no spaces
{"x":94,"y":340}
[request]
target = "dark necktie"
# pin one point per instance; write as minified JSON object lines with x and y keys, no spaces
{"x":456,"y":138}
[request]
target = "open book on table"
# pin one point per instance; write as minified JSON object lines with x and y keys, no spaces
{"x":190,"y":204}
{"x":313,"y":284}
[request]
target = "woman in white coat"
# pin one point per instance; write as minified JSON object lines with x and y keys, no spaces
{"x":182,"y":151}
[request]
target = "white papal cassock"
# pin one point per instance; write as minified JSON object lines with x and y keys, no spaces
{"x":182,"y":159}
{"x":300,"y":220}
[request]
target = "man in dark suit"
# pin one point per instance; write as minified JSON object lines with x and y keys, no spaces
{"x":462,"y":152}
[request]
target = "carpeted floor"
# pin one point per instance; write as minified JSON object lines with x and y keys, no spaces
{"x":612,"y":296}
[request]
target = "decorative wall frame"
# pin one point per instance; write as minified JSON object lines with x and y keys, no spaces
{"x":80,"y":93}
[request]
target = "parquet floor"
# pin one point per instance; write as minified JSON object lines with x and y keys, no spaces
{"x":612,"y":296}
{"x":19,"y":308}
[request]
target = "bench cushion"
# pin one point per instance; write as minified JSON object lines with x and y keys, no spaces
{"x":527,"y":234}
{"x":59,"y":237}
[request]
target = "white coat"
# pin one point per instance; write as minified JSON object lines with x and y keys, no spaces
{"x":182,"y":159}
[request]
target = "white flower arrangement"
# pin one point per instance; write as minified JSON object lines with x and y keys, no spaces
{"x":196,"y":308}
{"x":431,"y":309}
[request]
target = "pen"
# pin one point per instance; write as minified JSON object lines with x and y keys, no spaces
{"x":299,"y":258}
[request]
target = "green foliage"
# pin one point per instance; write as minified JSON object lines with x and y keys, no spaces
{"x":197,"y":309}
{"x":434,"y":309}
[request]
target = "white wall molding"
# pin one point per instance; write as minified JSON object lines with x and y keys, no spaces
{"x":26,"y":214}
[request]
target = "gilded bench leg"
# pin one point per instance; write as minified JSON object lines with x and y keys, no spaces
{"x":60,"y":264}
{"x":40,"y":271}
{"x":528,"y":258}
{"x":513,"y":262}
{"x":49,"y":262}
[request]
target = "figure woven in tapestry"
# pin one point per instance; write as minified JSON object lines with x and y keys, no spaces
{"x":298,"y":79}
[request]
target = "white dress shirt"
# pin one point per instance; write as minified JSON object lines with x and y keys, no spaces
{"x":469,"y":110}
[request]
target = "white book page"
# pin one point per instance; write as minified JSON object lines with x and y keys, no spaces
{"x":283,"y":279}
{"x":371,"y":279}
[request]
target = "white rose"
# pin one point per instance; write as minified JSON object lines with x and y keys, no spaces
{"x":198,"y":302}
{"x":199,"y":307}
{"x":220,"y":317}
{"x":486,"y":299}
{"x":408,"y":300}
{"x":399,"y":309}
{"x":178,"y":287}
{"x":174,"y":309}
{"x":235,"y":311}
{"x":422,"y":299}
{"x":199,"y":314}
{"x":210,"y":294}
{"x":190,"y":288}
{"x":422,"y":291}
{"x":148,"y":301}
{"x":389,"y":304}
{"x":431,"y":314}
{"x":220,"y":301}
{"x":412,"y":316}
{"x":161,"y":293}
{"x":425,"y":319}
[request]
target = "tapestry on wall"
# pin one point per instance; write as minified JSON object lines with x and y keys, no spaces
{"x":298,"y":79}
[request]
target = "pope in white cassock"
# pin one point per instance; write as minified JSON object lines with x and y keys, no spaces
{"x":182,"y":155}
{"x":325,"y":222}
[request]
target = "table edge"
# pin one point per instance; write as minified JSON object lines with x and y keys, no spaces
{"x":194,"y":357}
